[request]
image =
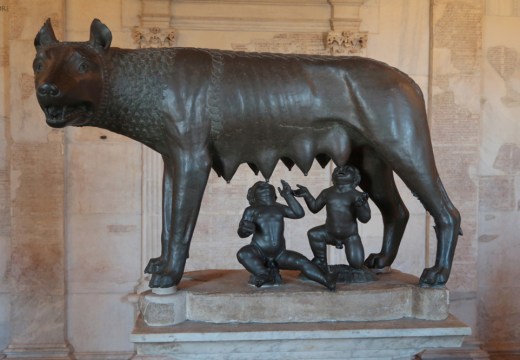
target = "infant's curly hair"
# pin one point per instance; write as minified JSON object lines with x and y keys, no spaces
{"x":252,"y":191}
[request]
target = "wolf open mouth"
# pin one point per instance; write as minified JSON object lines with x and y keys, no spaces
{"x":60,"y":116}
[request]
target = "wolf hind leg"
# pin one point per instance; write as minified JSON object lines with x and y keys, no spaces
{"x":424,"y":181}
{"x":447,"y":229}
{"x":377,"y":179}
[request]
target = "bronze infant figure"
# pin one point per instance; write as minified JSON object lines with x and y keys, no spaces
{"x":264,"y":219}
{"x":344,"y":205}
{"x":203,"y":109}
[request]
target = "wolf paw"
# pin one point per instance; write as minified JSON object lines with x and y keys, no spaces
{"x":155,"y":266}
{"x":162,"y":281}
{"x":434,"y":276}
{"x":378,"y":262}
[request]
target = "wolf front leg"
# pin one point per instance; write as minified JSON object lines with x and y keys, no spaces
{"x":183,"y":193}
{"x":158,"y":264}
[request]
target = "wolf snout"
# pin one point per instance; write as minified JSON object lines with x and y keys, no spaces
{"x":48,"y":89}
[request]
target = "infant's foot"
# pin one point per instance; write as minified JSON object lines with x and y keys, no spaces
{"x":332,"y":279}
{"x":321,"y":263}
{"x":262,"y":279}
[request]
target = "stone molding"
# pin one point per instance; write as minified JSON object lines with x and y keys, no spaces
{"x":503,"y":350}
{"x":39,"y":351}
{"x":113,"y":355}
{"x":345,"y":14}
{"x":239,"y":15}
{"x":343,"y":340}
{"x":257,"y":2}
{"x":250,"y":24}
{"x":470,"y":350}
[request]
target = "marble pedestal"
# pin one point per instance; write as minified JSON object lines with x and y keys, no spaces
{"x":216,"y":315}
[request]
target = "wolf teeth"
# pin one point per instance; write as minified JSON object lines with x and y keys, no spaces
{"x":52,"y":110}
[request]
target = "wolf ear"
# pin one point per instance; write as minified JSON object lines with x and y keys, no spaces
{"x":100,"y":35}
{"x":46,"y":35}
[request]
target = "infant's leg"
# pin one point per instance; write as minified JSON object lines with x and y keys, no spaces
{"x":291,"y":260}
{"x":354,"y":251}
{"x":253,"y":260}
{"x":318,"y":242}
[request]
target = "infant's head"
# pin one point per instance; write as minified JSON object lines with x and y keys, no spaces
{"x":261,"y":190}
{"x":345,"y":175}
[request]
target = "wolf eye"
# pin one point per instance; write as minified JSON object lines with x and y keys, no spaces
{"x":83,"y":67}
{"x":38,"y":66}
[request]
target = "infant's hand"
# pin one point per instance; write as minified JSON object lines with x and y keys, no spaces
{"x":302,"y":191}
{"x":286,"y":189}
{"x":362,"y":199}
{"x":247,"y":226}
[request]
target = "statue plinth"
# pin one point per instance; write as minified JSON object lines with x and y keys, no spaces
{"x":217,"y":312}
{"x":163,"y":307}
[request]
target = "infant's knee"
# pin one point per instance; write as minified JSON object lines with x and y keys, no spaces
{"x":311,"y":234}
{"x":355,"y":252}
{"x":244,"y":254}
{"x":316,"y":235}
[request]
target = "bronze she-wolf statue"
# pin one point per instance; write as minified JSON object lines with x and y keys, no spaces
{"x":203,"y":109}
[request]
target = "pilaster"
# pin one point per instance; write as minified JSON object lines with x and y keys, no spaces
{"x":155,"y":30}
{"x":345,"y":38}
{"x":345,"y":14}
{"x":455,"y":117}
{"x":37,"y":273}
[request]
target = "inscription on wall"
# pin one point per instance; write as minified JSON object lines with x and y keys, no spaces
{"x":460,"y":30}
{"x":506,"y":63}
{"x":4,"y":57}
{"x":455,"y":119}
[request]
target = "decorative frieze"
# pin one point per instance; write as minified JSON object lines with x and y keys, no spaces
{"x":346,"y":42}
{"x":155,"y":30}
{"x":154,"y":37}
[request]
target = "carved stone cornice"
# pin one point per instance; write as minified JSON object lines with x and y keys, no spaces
{"x":345,"y":14}
{"x":256,"y":2}
{"x":223,"y":23}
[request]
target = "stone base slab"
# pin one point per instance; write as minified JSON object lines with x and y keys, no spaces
{"x":224,"y":296}
{"x":393,"y":339}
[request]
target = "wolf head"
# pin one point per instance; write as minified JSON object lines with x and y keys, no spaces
{"x":69,"y":76}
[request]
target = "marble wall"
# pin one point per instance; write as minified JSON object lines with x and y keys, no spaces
{"x":74,"y":203}
{"x":499,"y":179}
